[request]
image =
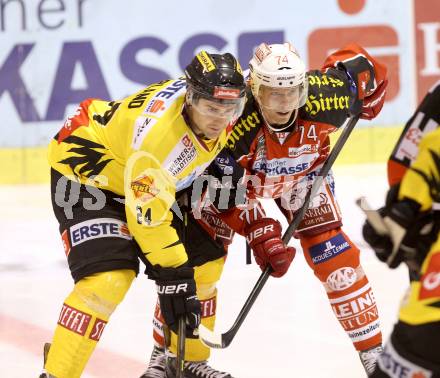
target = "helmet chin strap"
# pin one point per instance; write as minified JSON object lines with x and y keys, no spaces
{"x":278,"y":129}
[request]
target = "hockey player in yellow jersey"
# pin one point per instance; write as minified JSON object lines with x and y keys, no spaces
{"x":116,"y":169}
{"x":411,"y":216}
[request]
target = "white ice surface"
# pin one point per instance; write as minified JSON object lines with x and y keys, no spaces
{"x":290,"y":332}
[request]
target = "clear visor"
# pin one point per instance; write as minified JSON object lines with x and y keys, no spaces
{"x":209,"y":106}
{"x":283,"y":99}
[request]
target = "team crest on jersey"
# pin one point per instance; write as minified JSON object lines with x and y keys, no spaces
{"x":181,"y":156}
{"x":143,"y":188}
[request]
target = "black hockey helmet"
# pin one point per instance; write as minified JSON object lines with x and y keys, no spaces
{"x":216,"y":77}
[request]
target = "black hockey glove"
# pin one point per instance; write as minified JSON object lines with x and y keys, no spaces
{"x":176,"y":289}
{"x":410,"y":234}
{"x":381,"y":244}
{"x":400,"y":219}
{"x":418,"y":239}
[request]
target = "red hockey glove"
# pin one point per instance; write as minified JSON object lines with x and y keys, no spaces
{"x":264,"y":237}
{"x":372,"y":104}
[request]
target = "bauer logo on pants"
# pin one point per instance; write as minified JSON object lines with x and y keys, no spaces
{"x":98,"y":228}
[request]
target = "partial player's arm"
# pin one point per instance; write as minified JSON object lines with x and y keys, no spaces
{"x":243,"y":212}
{"x":149,"y":197}
{"x":411,"y":225}
{"x":366,"y":77}
{"x":425,"y":119}
{"x":149,"y":202}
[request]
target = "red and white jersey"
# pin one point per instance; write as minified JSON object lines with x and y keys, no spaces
{"x":280,"y":165}
{"x":278,"y":160}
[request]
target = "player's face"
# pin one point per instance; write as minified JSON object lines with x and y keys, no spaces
{"x":210,"y":118}
{"x":278,"y":104}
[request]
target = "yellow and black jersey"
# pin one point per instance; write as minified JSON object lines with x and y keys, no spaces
{"x":140,"y":148}
{"x":422,"y":303}
{"x":421,"y":183}
{"x":425,"y":119}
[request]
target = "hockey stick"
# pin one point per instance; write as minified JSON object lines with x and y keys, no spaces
{"x":381,"y":226}
{"x":220,"y":341}
{"x":180,"y":358}
{"x":373,"y":216}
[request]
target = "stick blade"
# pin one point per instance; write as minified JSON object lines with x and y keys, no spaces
{"x":373,"y":216}
{"x":210,"y":338}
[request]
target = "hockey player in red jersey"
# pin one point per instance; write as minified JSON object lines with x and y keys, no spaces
{"x":276,"y":150}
